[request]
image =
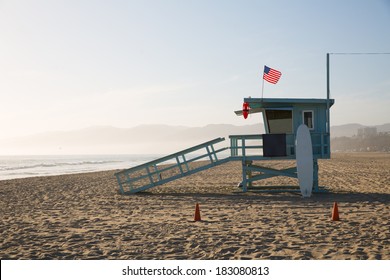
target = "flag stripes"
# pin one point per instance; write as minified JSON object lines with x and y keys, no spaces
{"x":271,"y":75}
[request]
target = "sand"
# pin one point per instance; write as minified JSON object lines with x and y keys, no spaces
{"x":83,"y":216}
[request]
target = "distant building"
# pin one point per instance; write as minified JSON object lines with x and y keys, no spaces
{"x":366,"y":132}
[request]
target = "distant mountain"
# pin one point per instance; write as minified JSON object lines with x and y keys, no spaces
{"x":143,"y":139}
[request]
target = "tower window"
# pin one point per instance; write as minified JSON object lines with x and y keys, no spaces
{"x":308,"y":118}
{"x":279,"y":121}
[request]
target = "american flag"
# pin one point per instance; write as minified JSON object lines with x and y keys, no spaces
{"x":271,"y":75}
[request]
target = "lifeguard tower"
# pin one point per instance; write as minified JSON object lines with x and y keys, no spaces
{"x":281,"y":117}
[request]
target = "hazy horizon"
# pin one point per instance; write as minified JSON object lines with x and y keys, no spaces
{"x":143,"y":139}
{"x":260,"y":123}
{"x":68,"y":65}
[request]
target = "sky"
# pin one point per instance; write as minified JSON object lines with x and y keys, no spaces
{"x":73,"y":64}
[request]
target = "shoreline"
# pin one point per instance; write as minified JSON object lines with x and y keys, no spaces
{"x":83,"y":216}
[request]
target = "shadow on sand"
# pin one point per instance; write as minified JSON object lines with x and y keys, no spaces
{"x":276,"y":196}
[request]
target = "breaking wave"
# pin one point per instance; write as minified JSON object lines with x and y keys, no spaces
{"x":30,"y":166}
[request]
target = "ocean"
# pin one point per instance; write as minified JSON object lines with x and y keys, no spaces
{"x":12,"y":167}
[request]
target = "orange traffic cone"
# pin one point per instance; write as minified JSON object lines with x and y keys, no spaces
{"x":197,"y":213}
{"x":335,"y":212}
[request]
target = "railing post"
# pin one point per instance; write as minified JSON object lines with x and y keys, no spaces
{"x":150,"y":175}
{"x":210,"y":155}
{"x":234,"y":144}
{"x":157,"y":172}
{"x":243,"y":147}
{"x":179,"y":165}
{"x":120,"y":184}
{"x":231,"y":147}
{"x":129,"y":181}
{"x":185,"y":162}
{"x":214,"y":153}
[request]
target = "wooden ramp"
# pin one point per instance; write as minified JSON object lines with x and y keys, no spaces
{"x":171,"y":167}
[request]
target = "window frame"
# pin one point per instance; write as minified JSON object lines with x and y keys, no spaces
{"x":312,"y":118}
{"x":291,"y":130}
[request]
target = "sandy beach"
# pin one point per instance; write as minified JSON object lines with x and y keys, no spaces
{"x":83,"y":216}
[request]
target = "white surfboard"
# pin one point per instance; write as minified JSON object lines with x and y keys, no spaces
{"x":304,"y":156}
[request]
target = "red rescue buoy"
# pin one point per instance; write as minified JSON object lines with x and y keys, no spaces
{"x":245,"y":109}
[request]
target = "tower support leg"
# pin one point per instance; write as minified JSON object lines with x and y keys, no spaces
{"x":315,"y":175}
{"x":246,"y":174}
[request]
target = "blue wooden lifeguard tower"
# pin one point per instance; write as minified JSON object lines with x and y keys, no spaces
{"x":281,"y":118}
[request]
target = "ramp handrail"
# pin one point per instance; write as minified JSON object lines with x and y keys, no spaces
{"x":170,"y":167}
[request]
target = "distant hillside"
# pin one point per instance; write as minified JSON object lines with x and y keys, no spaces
{"x":143,"y":139}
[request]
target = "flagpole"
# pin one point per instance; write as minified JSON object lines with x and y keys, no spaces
{"x":262,"y":87}
{"x":327,"y":94}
